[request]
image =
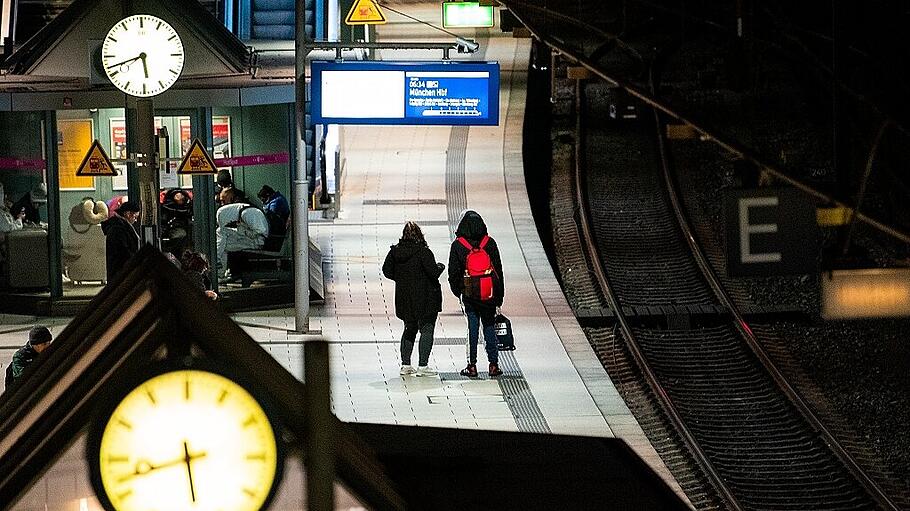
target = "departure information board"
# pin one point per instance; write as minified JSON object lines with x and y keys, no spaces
{"x":417,"y":93}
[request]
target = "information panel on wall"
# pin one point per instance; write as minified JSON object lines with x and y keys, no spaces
{"x":416,"y":93}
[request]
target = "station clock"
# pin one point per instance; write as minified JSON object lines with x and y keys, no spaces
{"x":142,"y":55}
{"x":184,"y":439}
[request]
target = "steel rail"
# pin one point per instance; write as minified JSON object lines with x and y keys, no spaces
{"x":729,"y":145}
{"x":614,"y":38}
{"x":603,"y":282}
{"x":743,"y":328}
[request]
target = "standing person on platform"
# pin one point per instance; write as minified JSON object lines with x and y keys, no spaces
{"x":475,"y":276}
{"x":122,"y":239}
{"x":39,"y":338}
{"x":418,"y":295}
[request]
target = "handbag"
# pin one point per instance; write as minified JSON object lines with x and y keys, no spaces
{"x":503,"y":329}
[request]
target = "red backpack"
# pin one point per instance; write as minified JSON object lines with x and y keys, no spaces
{"x":478,"y":271}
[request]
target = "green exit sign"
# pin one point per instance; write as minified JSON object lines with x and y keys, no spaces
{"x":466,"y":15}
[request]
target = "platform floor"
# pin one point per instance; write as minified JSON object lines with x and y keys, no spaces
{"x":553,"y":382}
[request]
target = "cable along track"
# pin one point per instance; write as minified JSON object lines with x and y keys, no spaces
{"x":759,"y":449}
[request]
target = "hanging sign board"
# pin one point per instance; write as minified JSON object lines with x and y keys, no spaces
{"x":365,"y":12}
{"x":197,"y":161}
{"x":467,"y":15}
{"x":96,"y":162}
{"x":415,"y":93}
{"x":866,"y":293}
{"x":770,"y":231}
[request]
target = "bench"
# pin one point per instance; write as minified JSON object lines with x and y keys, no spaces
{"x":267,"y":265}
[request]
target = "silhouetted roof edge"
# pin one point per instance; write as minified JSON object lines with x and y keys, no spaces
{"x":219,"y":40}
{"x":122,"y":328}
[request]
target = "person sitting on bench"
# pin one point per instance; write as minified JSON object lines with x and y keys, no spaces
{"x":277,"y":211}
{"x":241,"y":226}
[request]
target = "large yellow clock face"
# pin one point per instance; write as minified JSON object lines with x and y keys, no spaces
{"x":142,"y":55}
{"x":188,"y":440}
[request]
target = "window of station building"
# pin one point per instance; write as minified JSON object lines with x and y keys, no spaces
{"x":221,"y":138}
{"x":85,"y":202}
{"x":24,"y":254}
{"x":179,"y":131}
{"x":117,"y":151}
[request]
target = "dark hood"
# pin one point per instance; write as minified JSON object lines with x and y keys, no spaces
{"x":471,"y":226}
{"x":114,"y":220}
{"x":405,"y":249}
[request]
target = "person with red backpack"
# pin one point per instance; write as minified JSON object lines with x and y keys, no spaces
{"x":475,"y":276}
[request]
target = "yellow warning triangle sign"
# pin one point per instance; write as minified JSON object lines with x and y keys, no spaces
{"x":96,"y":162}
{"x":365,"y":12}
{"x":197,"y":161}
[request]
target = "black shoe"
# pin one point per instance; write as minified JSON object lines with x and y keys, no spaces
{"x":495,"y":370}
{"x":470,"y":371}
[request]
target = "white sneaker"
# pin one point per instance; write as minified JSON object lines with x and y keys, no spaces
{"x":406,"y":370}
{"x":425,"y":371}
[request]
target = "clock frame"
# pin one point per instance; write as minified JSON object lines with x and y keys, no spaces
{"x":142,"y":55}
{"x":110,"y":481}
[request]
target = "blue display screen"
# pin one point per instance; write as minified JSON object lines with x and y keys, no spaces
{"x":439,"y":93}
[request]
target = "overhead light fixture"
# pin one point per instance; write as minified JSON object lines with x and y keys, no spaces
{"x":467,"y":15}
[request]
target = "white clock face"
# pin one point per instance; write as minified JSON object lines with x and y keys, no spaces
{"x":142,"y":55}
{"x":188,"y":440}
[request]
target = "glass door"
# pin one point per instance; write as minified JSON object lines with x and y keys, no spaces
{"x":175,"y":130}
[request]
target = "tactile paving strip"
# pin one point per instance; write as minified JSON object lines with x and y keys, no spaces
{"x":515,"y":392}
{"x":518,"y":395}
{"x":403,"y":202}
{"x":437,"y":341}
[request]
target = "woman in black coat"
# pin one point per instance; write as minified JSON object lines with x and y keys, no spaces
{"x":418,"y":295}
{"x":121,"y":238}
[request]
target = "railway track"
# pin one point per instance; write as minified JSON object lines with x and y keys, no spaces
{"x":758,"y":448}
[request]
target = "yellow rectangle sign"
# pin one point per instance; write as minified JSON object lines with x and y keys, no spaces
{"x":867,"y":293}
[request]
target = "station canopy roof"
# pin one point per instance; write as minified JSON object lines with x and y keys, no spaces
{"x":59,"y":56}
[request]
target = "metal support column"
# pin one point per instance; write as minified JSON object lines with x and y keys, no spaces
{"x":148,"y":170}
{"x":301,"y":185}
{"x":204,"y":223}
{"x":55,"y":270}
{"x":319,"y":448}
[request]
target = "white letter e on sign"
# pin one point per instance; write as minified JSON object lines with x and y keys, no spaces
{"x":746,"y":230}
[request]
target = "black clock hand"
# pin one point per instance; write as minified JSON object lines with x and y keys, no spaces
{"x":144,"y":467}
{"x":145,"y":66}
{"x":189,"y":470}
{"x":127,"y":61}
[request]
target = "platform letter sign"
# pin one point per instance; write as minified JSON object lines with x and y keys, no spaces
{"x":747,"y":229}
{"x":770,"y":232}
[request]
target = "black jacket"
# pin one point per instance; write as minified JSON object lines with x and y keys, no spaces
{"x":413,"y":267}
{"x":122,"y":243}
{"x":199,"y":279}
{"x":474,"y":229}
{"x":23,"y":358}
